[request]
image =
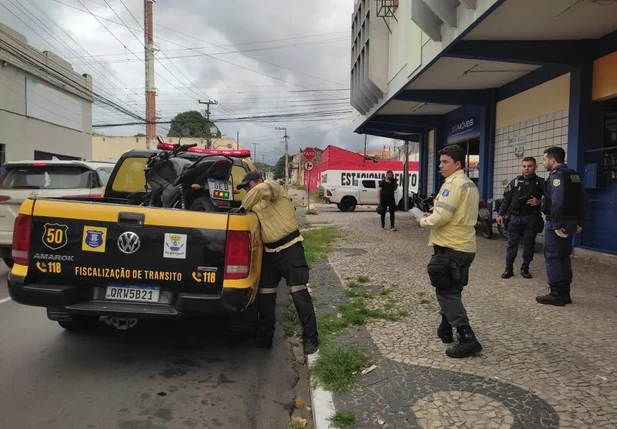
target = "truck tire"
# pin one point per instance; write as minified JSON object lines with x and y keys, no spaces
{"x":245,"y":321}
{"x":9,"y":262}
{"x":80,"y":322}
{"x":203,"y":204}
{"x":348,"y":204}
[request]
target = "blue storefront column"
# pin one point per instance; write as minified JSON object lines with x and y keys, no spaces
{"x":440,"y":142}
{"x":423,"y":157}
{"x":487,"y":148}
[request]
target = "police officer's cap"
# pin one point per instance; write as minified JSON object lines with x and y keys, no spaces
{"x":248,"y":178}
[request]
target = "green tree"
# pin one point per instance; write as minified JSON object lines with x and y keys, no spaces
{"x":194,"y":121}
{"x":279,"y":168}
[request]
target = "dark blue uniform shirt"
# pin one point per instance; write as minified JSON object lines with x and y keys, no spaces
{"x":565,"y":199}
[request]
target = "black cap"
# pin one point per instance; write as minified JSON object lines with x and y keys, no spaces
{"x":249,"y":177}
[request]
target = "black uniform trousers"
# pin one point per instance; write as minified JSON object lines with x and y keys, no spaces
{"x":390,"y":205}
{"x":291,"y":264}
{"x":522,"y":227}
{"x":449,"y":273}
{"x":557,"y":252}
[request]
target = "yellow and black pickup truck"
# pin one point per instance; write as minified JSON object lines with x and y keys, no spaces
{"x":86,"y":258}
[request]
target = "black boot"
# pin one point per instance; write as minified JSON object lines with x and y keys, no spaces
{"x":509,"y":272}
{"x":467,"y":346}
{"x":306,"y":314}
{"x":445,"y":330}
{"x":525,"y":270}
{"x":555,"y":297}
{"x":566,"y":293}
{"x":266,"y":304}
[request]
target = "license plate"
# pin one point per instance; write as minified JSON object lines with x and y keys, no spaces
{"x":133,"y":293}
{"x":220,"y":189}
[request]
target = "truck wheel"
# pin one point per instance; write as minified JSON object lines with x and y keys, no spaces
{"x":80,"y":322}
{"x":9,"y":262}
{"x":245,"y":321}
{"x":203,"y":204}
{"x":348,"y":204}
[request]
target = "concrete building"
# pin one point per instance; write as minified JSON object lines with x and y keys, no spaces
{"x":503,"y":78}
{"x":112,"y":147}
{"x":45,"y":107}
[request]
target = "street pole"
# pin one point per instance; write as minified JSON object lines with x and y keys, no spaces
{"x":406,"y":178}
{"x":255,"y":153}
{"x":308,"y":192}
{"x":150,"y":89}
{"x":238,"y":140}
{"x":208,"y":103}
{"x":365,"y":137}
{"x":286,"y":154}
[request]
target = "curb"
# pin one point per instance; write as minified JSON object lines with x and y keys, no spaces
{"x":321,"y":400}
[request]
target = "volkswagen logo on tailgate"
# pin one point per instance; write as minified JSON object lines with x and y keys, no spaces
{"x":129,"y":242}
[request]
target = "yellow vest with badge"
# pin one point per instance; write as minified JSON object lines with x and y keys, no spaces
{"x":455,"y":214}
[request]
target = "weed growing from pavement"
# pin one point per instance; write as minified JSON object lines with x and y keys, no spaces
{"x":291,"y":324}
{"x":363,"y":279}
{"x":338,"y":367}
{"x":318,"y":243}
{"x":342,"y":419}
{"x":311,"y":212}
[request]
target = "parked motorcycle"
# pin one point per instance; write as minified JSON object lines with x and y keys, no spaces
{"x":503,"y":229}
{"x":176,"y":182}
{"x":424,"y":203}
{"x":483,"y":224}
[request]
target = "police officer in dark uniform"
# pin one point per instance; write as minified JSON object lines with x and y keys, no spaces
{"x":564,"y":205}
{"x":523,"y":195}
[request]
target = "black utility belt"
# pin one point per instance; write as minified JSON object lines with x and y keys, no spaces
{"x":284,"y":240}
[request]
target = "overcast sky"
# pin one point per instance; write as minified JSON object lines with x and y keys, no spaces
{"x":300,"y":62}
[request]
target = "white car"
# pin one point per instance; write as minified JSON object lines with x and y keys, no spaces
{"x":364,"y":193}
{"x":46,"y":179}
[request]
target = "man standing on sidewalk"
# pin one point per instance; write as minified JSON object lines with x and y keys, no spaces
{"x":453,"y":238}
{"x":523,"y":196}
{"x":387,"y":187}
{"x":283,"y":258}
{"x":564,"y":206}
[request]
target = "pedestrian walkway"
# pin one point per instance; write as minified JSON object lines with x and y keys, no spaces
{"x":541,"y":367}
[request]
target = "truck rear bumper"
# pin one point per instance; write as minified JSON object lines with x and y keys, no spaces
{"x":79,"y":300}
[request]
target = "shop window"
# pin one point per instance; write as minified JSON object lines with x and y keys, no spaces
{"x":600,"y":181}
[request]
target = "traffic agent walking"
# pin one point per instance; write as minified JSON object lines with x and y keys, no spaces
{"x":522,"y":196}
{"x":387,"y":187}
{"x":283,"y":258}
{"x":564,"y":205}
{"x":453,"y":238}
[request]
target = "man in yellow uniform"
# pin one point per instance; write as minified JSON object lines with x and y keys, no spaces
{"x":283,"y":257}
{"x":453,"y":238}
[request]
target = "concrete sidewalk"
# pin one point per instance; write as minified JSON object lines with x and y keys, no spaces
{"x":541,"y":367}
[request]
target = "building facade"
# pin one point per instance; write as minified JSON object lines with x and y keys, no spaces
{"x":505,"y":79}
{"x":45,"y":107}
{"x":112,"y":147}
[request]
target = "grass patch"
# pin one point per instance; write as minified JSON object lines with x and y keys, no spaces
{"x":342,"y":419}
{"x":363,"y":279}
{"x":353,"y":284}
{"x":349,"y":293}
{"x":311,"y":212}
{"x":318,"y":243}
{"x":385,"y":292}
{"x":403,"y":313}
{"x":337,"y":368}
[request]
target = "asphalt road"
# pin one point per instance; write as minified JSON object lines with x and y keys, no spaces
{"x":158,"y":375}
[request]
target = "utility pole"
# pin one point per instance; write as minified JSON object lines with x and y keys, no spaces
{"x":150,"y":90}
{"x":208,"y":103}
{"x":365,"y":137}
{"x":238,"y":140}
{"x":286,"y":137}
{"x":255,"y":152}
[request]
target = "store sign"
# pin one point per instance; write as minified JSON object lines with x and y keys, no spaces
{"x":518,"y":142}
{"x":351,"y":177}
{"x":465,"y":129}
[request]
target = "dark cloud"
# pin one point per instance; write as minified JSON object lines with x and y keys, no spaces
{"x":243,"y":86}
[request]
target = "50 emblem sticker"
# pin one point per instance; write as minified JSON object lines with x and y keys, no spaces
{"x":55,"y":235}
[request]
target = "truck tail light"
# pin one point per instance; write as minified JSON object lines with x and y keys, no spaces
{"x":21,"y":239}
{"x":237,"y":255}
{"x":328,"y":193}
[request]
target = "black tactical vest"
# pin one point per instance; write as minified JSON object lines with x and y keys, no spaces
{"x":523,"y":189}
{"x":573,"y":191}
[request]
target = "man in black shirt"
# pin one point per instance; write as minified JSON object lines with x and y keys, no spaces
{"x":386,"y":198}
